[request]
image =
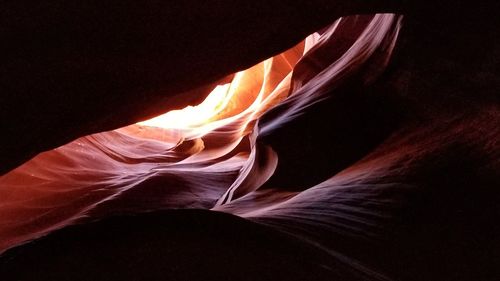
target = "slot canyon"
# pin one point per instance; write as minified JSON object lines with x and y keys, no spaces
{"x":250,"y":140}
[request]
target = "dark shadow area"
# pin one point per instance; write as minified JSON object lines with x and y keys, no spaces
{"x":168,"y":245}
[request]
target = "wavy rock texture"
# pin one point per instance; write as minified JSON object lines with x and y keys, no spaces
{"x":339,"y":148}
{"x":65,"y":64}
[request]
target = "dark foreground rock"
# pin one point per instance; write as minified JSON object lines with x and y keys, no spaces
{"x":169,"y":245}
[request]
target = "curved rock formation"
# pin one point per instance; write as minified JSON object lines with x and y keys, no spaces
{"x":371,"y":148}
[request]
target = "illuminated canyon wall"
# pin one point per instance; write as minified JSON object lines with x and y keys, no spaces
{"x":371,"y":166}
